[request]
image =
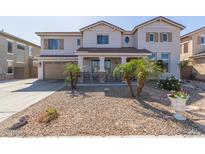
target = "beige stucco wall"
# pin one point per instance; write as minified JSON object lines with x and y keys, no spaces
{"x":70,"y":45}
{"x":199,"y":68}
{"x":173,"y":48}
{"x":185,"y":56}
{"x":130,"y":43}
{"x":90,"y":37}
{"x":197,"y":48}
{"x":10,"y":59}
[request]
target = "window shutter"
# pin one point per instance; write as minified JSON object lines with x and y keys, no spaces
{"x":156,"y":37}
{"x":169,"y":37}
{"x":45,"y":43}
{"x":62,"y":44}
{"x":199,"y":40}
{"x":147,"y":37}
{"x":161,"y":37}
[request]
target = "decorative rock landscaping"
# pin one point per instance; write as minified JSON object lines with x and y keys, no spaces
{"x":102,"y":111}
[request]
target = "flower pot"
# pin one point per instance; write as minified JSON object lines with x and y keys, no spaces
{"x":179,"y":105}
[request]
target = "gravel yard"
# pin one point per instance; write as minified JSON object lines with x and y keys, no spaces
{"x":102,"y":111}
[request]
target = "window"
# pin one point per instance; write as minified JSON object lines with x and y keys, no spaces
{"x":10,"y":70}
{"x":186,"y":47}
{"x":102,"y":39}
{"x":202,"y":40}
{"x":151,"y":37}
{"x":165,"y":59}
{"x":10,"y":49}
{"x":20,"y":57}
{"x":78,"y":41}
{"x":21,"y":47}
{"x":153,"y":56}
{"x":30,"y":51}
{"x":165,"y":37}
{"x":53,"y":44}
{"x":127,"y":39}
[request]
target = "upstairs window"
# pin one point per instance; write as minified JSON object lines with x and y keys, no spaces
{"x":78,"y":42}
{"x":21,"y":47}
{"x":202,"y":40}
{"x":102,"y":39}
{"x":165,"y":37}
{"x":127,"y":39}
{"x":54,"y":44}
{"x":10,"y":48}
{"x":185,"y":48}
{"x":151,"y":37}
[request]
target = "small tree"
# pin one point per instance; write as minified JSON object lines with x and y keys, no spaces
{"x":73,"y":72}
{"x":127,"y":72}
{"x":144,"y":68}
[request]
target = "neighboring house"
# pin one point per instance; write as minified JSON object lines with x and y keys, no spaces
{"x":99,"y":47}
{"x":193,"y":50}
{"x":17,"y":57}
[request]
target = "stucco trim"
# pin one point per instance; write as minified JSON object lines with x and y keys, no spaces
{"x":100,"y":23}
{"x":160,"y":18}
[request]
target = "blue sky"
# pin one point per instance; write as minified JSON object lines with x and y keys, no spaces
{"x":25,"y":27}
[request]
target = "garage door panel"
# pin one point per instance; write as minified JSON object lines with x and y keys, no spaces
{"x":54,"y":70}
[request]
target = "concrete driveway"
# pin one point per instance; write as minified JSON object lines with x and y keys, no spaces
{"x":16,"y":95}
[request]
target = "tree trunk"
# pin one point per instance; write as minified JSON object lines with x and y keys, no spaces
{"x":140,"y":85}
{"x":130,"y":87}
{"x":71,"y":80}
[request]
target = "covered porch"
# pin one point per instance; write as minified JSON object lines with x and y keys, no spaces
{"x":97,"y":64}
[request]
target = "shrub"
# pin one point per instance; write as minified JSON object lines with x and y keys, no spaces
{"x":170,"y":83}
{"x":48,"y":116}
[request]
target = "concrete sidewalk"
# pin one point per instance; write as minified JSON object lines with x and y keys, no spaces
{"x":17,"y":95}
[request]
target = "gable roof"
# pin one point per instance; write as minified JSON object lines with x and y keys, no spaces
{"x":160,"y":18}
{"x":18,"y":39}
{"x":195,"y":31}
{"x":102,"y":23}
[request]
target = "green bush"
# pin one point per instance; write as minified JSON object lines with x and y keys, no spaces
{"x":170,"y":83}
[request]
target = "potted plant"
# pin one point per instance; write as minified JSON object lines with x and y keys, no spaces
{"x":178,"y":103}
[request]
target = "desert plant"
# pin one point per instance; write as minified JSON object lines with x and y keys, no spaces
{"x":183,"y":64}
{"x":127,"y":72}
{"x":144,"y":68}
{"x":48,"y":116}
{"x":73,"y":72}
{"x":170,"y":83}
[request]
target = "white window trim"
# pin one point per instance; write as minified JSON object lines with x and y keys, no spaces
{"x":204,"y":39}
{"x":163,"y":38}
{"x":10,"y":53}
{"x":153,"y":38}
{"x":77,"y":41}
{"x":109,"y":39}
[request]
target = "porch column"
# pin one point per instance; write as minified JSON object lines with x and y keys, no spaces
{"x":123,"y":60}
{"x":102,"y":64}
{"x":40,"y":69}
{"x":80,"y":63}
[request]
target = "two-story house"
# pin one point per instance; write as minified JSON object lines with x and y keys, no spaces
{"x":17,"y":57}
{"x":101,"y":46}
{"x":193,"y":50}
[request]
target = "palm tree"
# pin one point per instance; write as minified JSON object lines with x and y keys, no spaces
{"x":127,"y":72}
{"x":73,"y":72}
{"x":144,"y":68}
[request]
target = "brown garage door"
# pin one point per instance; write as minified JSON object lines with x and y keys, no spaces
{"x":54,"y":70}
{"x":19,"y":73}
